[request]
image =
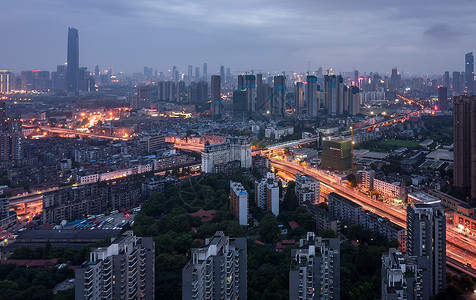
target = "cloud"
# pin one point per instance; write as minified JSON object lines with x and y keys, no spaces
{"x":441,"y":31}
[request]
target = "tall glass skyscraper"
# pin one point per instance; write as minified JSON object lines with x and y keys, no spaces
{"x":72,"y":72}
{"x":469,"y":73}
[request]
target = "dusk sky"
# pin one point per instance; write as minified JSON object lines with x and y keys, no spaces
{"x":270,"y":35}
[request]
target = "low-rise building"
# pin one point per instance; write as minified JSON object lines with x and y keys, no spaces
{"x":383,"y":227}
{"x":394,"y":190}
{"x":278,"y":132}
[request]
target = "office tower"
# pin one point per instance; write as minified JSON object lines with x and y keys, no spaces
{"x":241,"y":82}
{"x":395,"y":81}
{"x":202,"y":92}
{"x":279,"y":96}
{"x":299,"y":98}
{"x":356,"y":78}
{"x":219,"y":154}
{"x":141,"y":99}
{"x":5,"y":79}
{"x":217,"y":270}
{"x":228,"y":75}
{"x":239,"y":105}
{"x":426,"y":239}
{"x":250,"y":85}
{"x":222,"y":72}
{"x":181,"y":92}
{"x":315,"y":269}
{"x":402,"y":277}
{"x":469,"y":73}
{"x":464,"y":120}
{"x":354,"y":100}
{"x":239,"y":202}
{"x":72,"y":72}
{"x":336,"y":154}
{"x":216,"y":94}
{"x":334,"y":94}
{"x":312,"y":99}
{"x":190,"y":72}
{"x":442,"y":98}
{"x":267,"y":193}
{"x":307,"y":189}
{"x":260,"y":97}
{"x":147,"y":72}
{"x":205,"y":70}
{"x":197,"y":73}
{"x":446,"y":79}
{"x":58,"y":78}
{"x":123,"y":270}
{"x":456,"y":84}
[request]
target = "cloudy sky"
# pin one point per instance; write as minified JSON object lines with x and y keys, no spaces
{"x":421,"y":36}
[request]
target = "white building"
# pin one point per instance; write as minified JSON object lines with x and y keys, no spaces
{"x":394,"y":190}
{"x":278,"y":132}
{"x":239,"y":202}
{"x":267,"y":193}
{"x":307,"y":189}
{"x":234,"y":149}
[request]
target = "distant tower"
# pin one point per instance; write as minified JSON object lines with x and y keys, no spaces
{"x":442,"y":98}
{"x":197,"y":73}
{"x":456,"y":84}
{"x":72,"y":72}
{"x":96,"y":71}
{"x":222,"y":72}
{"x":279,"y":96}
{"x":299,"y":98}
{"x":469,"y":73}
{"x":250,"y":85}
{"x":311,"y":96}
{"x":216,"y":94}
{"x":205,"y":70}
{"x":190,"y":72}
{"x":446,"y":79}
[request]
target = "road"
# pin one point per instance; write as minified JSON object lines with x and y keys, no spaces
{"x":79,"y":133}
{"x":458,"y":247}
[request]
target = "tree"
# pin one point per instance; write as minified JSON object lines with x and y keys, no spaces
{"x":268,"y":228}
{"x":352,"y":180}
{"x":327,"y":233}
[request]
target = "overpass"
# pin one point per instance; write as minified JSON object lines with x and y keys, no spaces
{"x":66,"y":131}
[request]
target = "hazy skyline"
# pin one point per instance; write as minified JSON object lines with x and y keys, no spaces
{"x":424,"y":37}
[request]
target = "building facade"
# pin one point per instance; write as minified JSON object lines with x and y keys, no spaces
{"x":267,"y":193}
{"x":217,"y":270}
{"x":123,"y":270}
{"x":315,"y":269}
{"x":307,"y":189}
{"x":234,"y":149}
{"x":239,"y":202}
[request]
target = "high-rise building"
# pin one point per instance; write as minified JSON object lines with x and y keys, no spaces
{"x":279,"y":96}
{"x":190,"y":73}
{"x":147,"y":72}
{"x":239,"y":202}
{"x":234,"y":149}
{"x":141,"y":99}
{"x":228,"y":75}
{"x":5,"y":81}
{"x":241,"y":83}
{"x":261,"y":105}
{"x":197,"y":73}
{"x":222,"y":72}
{"x":336,"y":154}
{"x":446,"y":79}
{"x":343,"y":209}
{"x":315,"y":269}
{"x":216,"y":94}
{"x":464,"y":126}
{"x":426,"y":239}
{"x":456,"y":86}
{"x":181,"y":92}
{"x":402,"y":277}
{"x":72,"y":72}
{"x":205,"y":70}
{"x":123,"y":270}
{"x":250,"y":85}
{"x":307,"y":189}
{"x":217,"y":270}
{"x":311,"y":96}
{"x":239,"y":105}
{"x":469,"y":73}
{"x":267,"y":193}
{"x":334,"y":94}
{"x":442,"y":98}
{"x":353,"y":100}
{"x":299,"y":98}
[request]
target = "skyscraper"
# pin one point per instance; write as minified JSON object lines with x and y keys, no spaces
{"x":353,"y":100}
{"x":279,"y":96}
{"x":123,"y":270}
{"x":260,"y":99}
{"x":222,"y":72}
{"x":315,"y":269}
{"x":216,"y":94}
{"x":334,"y":94}
{"x":239,"y":105}
{"x":446,"y":79}
{"x":426,"y":239}
{"x":299,"y":98}
{"x":311,"y":96}
{"x":464,"y":125}
{"x":205,"y":70}
{"x":250,"y":85}
{"x":5,"y":78}
{"x":469,"y":73}
{"x":442,"y":98}
{"x":456,"y":86}
{"x":217,"y":270}
{"x":72,"y":71}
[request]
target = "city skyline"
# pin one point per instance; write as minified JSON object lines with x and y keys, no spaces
{"x":273,"y":36}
